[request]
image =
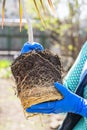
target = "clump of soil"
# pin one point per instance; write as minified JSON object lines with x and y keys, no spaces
{"x":35,"y":74}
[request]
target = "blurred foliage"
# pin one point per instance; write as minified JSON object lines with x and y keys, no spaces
{"x":5,"y":71}
{"x":4,"y":63}
{"x":65,"y":32}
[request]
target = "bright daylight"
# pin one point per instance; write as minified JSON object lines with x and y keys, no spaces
{"x":43,"y":64}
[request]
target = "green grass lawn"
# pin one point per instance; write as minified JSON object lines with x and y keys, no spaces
{"x":5,"y":71}
{"x":4,"y":63}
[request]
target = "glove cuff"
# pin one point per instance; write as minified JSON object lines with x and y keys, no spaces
{"x":82,"y":107}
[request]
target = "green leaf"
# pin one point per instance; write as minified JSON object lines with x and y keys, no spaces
{"x":77,"y":4}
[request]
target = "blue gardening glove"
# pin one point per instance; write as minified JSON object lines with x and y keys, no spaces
{"x":28,"y":47}
{"x":70,"y":103}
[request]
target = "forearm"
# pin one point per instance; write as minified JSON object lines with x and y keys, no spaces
{"x":71,"y":80}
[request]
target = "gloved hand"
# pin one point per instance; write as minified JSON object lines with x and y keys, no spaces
{"x":70,"y":103}
{"x":28,"y":47}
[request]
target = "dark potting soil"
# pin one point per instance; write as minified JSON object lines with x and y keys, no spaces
{"x":41,"y":68}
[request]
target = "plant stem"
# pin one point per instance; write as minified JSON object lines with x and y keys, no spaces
{"x":30,"y":29}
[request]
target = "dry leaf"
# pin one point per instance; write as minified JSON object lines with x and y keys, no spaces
{"x":36,"y":6}
{"x":51,"y":5}
{"x":3,"y":11}
{"x":21,"y":13}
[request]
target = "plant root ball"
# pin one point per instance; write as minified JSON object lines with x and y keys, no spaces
{"x":35,"y":74}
